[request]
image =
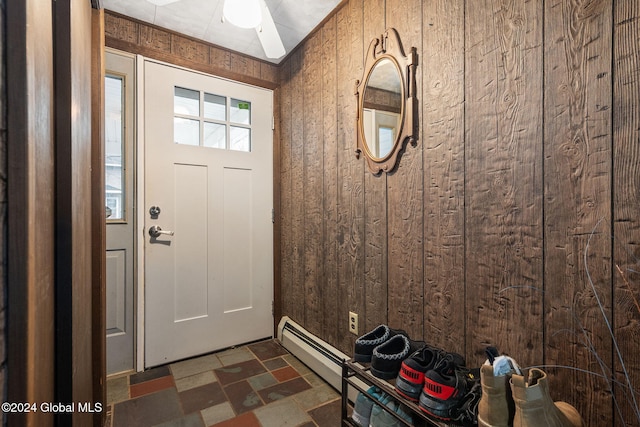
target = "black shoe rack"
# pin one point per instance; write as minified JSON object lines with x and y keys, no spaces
{"x":352,"y":369}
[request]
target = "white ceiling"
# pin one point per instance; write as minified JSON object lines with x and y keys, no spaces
{"x":202,"y":19}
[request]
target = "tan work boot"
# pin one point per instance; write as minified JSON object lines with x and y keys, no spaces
{"x":496,"y":407}
{"x":534,"y":407}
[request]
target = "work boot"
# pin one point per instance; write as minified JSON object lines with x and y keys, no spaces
{"x":534,"y":407}
{"x":496,"y":407}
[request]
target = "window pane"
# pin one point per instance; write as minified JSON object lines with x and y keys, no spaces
{"x":385,"y":140}
{"x":186,"y":131}
{"x":240,"y":112}
{"x":114,"y":147}
{"x":215,"y":135}
{"x":186,"y":102}
{"x":215,"y":107}
{"x":240,"y":139}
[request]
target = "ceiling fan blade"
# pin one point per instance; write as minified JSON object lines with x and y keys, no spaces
{"x":268,"y":35}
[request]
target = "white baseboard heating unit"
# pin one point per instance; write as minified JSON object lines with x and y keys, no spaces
{"x":322,"y":358}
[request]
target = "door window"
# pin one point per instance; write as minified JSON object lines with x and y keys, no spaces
{"x":211,"y":120}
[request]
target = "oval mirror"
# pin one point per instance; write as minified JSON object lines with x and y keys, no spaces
{"x":382,"y":109}
{"x":387,"y":104}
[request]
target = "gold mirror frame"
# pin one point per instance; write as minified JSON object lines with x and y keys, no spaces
{"x":388,"y":45}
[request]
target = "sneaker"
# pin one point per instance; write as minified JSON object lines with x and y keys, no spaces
{"x":387,"y":357}
{"x":445,"y":388}
{"x":410,"y":380}
{"x":364,"y":405}
{"x":366,"y":343}
{"x":382,"y":418}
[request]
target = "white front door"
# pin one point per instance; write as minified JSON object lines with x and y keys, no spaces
{"x":209,"y":188}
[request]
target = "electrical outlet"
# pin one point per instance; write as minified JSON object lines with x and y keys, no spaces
{"x":353,"y":323}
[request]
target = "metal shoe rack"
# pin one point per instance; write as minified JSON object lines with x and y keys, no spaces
{"x":352,"y":369}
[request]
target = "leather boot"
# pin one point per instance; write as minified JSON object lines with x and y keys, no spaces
{"x":534,"y":407}
{"x":496,"y":407}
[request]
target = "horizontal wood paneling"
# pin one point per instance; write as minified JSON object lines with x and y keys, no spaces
{"x":134,"y":36}
{"x":480,"y":236}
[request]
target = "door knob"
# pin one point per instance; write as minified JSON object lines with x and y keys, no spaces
{"x":155,"y":231}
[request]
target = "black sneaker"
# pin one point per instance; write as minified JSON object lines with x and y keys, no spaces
{"x":387,"y":357}
{"x":365,"y":344}
{"x":411,"y":377}
{"x":445,"y":388}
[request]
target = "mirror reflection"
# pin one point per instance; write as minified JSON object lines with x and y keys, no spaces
{"x":382,"y":108}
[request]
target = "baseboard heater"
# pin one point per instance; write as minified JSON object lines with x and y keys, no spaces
{"x":322,"y":358}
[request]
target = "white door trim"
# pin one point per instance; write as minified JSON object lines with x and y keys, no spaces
{"x":139,"y":234}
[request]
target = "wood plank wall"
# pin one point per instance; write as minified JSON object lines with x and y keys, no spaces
{"x":139,"y":37}
{"x":514,"y":221}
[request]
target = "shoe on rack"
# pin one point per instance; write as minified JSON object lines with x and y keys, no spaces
{"x":366,"y":343}
{"x":445,"y":388}
{"x":364,"y":404}
{"x":387,"y":357}
{"x":410,"y":380}
{"x":496,"y":407}
{"x":382,"y":418}
{"x":534,"y":406}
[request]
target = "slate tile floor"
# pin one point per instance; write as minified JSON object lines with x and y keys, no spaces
{"x":257,"y":385}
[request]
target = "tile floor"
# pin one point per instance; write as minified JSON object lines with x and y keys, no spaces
{"x":257,"y":385}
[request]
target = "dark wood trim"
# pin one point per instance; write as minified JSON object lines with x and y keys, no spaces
{"x":98,"y":232}
{"x":64,"y":209}
{"x":184,"y":36}
{"x":72,"y":65}
{"x":30,"y":195}
{"x":134,"y":36}
{"x":172,"y":59}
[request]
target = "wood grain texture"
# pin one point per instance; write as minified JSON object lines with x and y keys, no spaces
{"x":503,"y":190}
{"x":313,"y":172}
{"x":191,"y":50}
{"x":443,"y":156}
{"x":405,"y":196}
{"x":350,"y":234}
{"x":577,"y":90}
{"x":74,"y":357}
{"x":30,"y":211}
{"x":331,"y":321}
{"x":121,"y":28}
{"x":154,"y":38}
{"x":626,"y":187}
{"x":98,"y":220}
{"x":287,"y":198}
{"x":297,"y":188}
{"x":375,"y":206}
{"x":131,"y":35}
{"x":517,"y":169}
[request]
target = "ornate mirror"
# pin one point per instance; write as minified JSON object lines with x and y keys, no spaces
{"x":386,"y":102}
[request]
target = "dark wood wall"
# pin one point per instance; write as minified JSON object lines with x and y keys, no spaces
{"x":514,"y":221}
{"x":154,"y":42}
{"x":48,"y":106}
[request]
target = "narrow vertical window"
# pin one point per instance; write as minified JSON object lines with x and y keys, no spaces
{"x":114,"y":148}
